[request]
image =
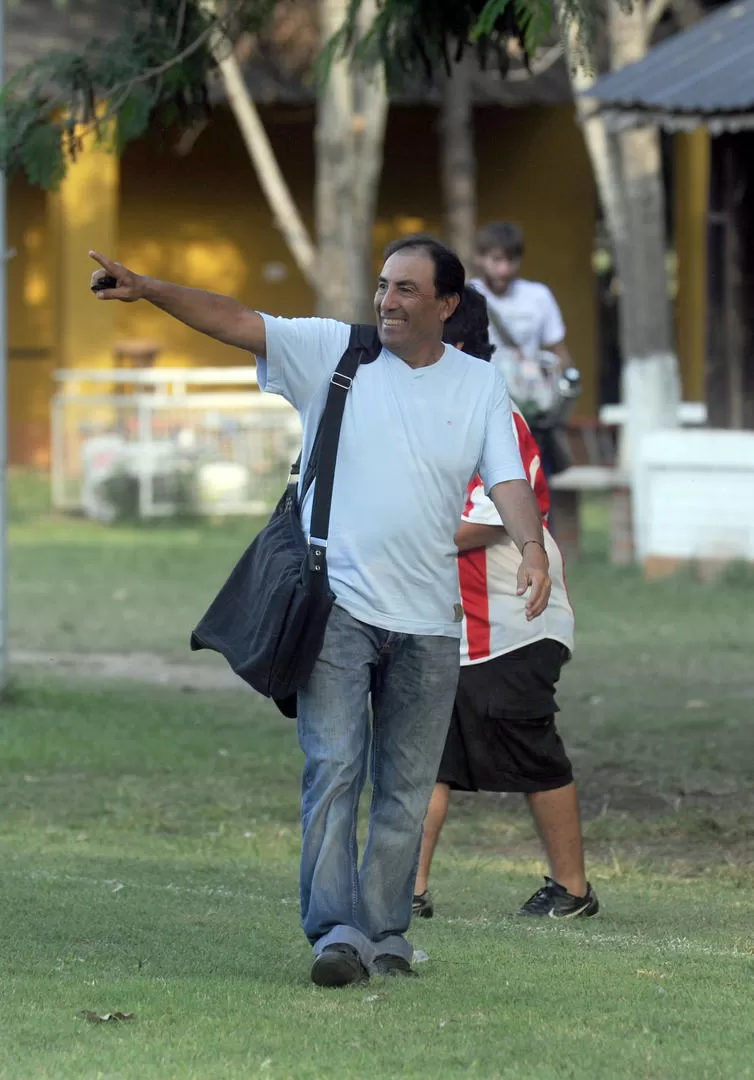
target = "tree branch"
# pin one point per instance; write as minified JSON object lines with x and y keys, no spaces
{"x":538,"y":66}
{"x":284,"y":209}
{"x":90,"y":105}
{"x":180,"y":23}
{"x":600,"y":143}
{"x":655,"y":10}
{"x":218,"y":23}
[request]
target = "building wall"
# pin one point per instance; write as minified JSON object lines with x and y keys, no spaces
{"x":534,"y":170}
{"x":691,"y":199}
{"x":202,"y":220}
{"x":30,"y":324}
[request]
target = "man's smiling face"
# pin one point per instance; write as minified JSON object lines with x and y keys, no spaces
{"x":409,"y":313}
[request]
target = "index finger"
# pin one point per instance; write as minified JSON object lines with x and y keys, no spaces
{"x":106,"y":263}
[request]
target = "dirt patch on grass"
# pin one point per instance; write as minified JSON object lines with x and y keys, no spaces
{"x":206,"y":672}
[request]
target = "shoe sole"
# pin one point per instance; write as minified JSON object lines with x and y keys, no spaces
{"x":582,"y":913}
{"x":334,"y":970}
{"x":423,"y":913}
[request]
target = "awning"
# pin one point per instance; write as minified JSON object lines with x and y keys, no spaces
{"x":703,"y":76}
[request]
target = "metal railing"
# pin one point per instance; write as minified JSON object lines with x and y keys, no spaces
{"x":158,"y":442}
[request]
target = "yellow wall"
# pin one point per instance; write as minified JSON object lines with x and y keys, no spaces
{"x":53,"y":320}
{"x":202,"y":220}
{"x":31,"y":360}
{"x":83,"y":214}
{"x":534,"y":170}
{"x":692,"y":154}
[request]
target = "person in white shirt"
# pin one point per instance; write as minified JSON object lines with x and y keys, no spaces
{"x":502,"y":735}
{"x":525,"y":324}
{"x":420,"y":420}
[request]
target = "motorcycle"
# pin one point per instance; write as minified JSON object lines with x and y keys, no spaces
{"x":546,"y":394}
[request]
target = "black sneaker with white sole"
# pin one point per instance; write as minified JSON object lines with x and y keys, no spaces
{"x":423,"y":905}
{"x":339,"y":965}
{"x":555,"y":902}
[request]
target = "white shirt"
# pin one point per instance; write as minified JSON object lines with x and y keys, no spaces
{"x":494,"y":616}
{"x":529,"y":311}
{"x":410,"y":442}
{"x":530,"y":314}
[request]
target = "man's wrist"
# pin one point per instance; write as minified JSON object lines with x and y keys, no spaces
{"x":539,"y":544}
{"x":148,"y":288}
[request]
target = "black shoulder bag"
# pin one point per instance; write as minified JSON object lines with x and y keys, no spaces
{"x":270,"y":616}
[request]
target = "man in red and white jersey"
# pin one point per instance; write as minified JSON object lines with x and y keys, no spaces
{"x":502,"y":735}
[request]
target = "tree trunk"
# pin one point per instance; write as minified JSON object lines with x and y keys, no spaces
{"x":628,"y":174}
{"x":651,"y":387}
{"x":284,"y":210}
{"x":351,"y":115}
{"x":601,"y":144}
{"x":458,"y":163}
{"x":647,"y":319}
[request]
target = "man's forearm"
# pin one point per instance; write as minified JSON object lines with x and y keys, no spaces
{"x":562,"y":353}
{"x":218,"y":316}
{"x":517,"y":505}
{"x":471,"y":535}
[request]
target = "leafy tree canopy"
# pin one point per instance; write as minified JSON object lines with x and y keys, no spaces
{"x":155,"y":62}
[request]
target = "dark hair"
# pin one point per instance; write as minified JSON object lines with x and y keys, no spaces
{"x":469,"y":324}
{"x":449,"y":272}
{"x":503,"y":235}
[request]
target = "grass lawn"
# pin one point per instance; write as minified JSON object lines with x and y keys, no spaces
{"x":149,"y":837}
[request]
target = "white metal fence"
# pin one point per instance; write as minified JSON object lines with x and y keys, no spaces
{"x":158,"y":442}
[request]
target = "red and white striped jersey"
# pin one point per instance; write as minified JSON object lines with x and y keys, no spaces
{"x":494,"y":616}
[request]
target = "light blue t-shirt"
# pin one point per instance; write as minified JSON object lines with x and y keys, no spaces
{"x":411,"y":441}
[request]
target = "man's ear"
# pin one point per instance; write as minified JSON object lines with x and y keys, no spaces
{"x":449,"y":305}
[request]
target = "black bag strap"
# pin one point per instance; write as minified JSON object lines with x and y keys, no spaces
{"x":364,"y":344}
{"x":364,"y":337}
{"x":363,"y":347}
{"x":500,"y":327}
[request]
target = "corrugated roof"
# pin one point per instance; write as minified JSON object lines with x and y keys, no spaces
{"x":701,"y":75}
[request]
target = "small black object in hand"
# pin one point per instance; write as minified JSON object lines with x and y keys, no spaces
{"x":105,"y":282}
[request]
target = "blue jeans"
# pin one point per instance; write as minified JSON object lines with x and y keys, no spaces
{"x":412,"y":680}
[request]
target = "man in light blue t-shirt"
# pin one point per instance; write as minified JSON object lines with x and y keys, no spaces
{"x":420,"y":421}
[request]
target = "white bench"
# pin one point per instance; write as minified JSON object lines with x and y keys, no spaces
{"x":568,"y":487}
{"x":688,"y":414}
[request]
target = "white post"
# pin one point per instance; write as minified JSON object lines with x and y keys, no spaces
{"x":3,"y":411}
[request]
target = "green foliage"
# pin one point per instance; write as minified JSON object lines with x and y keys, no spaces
{"x":158,"y":58}
{"x":134,"y":117}
{"x":42,"y":155}
{"x":155,"y":68}
{"x":415,"y":37}
{"x":532,"y":18}
{"x":535,"y":20}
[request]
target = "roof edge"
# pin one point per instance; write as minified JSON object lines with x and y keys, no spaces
{"x":717,"y":123}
